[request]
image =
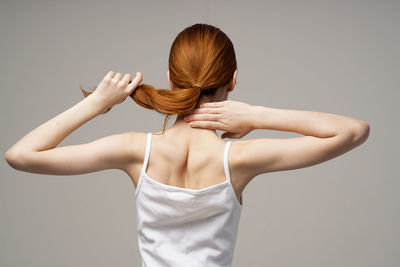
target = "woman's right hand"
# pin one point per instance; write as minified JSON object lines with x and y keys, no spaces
{"x":233,"y":117}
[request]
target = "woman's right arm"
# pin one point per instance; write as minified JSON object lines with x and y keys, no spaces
{"x":326,"y":135}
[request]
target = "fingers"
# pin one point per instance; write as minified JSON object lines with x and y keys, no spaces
{"x":205,"y":110}
{"x":126,"y":79}
{"x":135,"y":82}
{"x":109,"y":75}
{"x":202,"y":117}
{"x":117,"y":77}
{"x":207,"y":125}
{"x":211,"y":104}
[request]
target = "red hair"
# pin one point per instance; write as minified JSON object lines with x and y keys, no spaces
{"x":201,"y":60}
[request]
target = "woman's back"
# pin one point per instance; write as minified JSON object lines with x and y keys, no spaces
{"x":184,"y":157}
{"x":184,"y":225}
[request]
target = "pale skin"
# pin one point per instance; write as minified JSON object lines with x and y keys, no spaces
{"x":325,"y":136}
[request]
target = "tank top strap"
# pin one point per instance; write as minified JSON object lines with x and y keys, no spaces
{"x":146,"y":155}
{"x":145,"y":161}
{"x":226,"y":164}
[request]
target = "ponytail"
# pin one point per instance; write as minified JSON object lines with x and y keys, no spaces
{"x":175,"y":101}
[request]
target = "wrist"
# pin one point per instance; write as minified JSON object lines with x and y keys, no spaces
{"x":258,"y":117}
{"x":254,"y":114}
{"x":95,"y":103}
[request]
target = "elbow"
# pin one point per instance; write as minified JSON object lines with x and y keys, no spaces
{"x":13,"y":158}
{"x":360,"y":132}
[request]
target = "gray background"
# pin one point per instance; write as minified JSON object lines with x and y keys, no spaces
{"x":333,"y":56}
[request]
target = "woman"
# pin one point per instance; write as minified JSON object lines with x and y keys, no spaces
{"x":188,"y":181}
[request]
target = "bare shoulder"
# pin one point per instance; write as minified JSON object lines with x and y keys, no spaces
{"x":135,"y":142}
{"x":239,"y":169}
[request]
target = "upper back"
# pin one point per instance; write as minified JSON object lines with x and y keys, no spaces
{"x":185,"y":162}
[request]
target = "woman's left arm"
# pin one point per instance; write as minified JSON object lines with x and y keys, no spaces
{"x":37,"y":152}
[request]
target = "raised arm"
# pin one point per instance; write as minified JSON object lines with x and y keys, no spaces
{"x":326,"y":135}
{"x":37,"y":151}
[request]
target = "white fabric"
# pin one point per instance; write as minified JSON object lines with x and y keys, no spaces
{"x":183,"y":227}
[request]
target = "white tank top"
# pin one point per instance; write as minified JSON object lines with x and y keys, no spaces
{"x":184,"y":227}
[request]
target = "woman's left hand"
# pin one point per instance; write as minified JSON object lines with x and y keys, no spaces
{"x":114,"y":89}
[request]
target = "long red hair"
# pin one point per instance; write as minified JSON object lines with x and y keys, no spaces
{"x":201,"y":60}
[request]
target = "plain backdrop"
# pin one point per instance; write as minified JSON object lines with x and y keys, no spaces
{"x":331,"y":56}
